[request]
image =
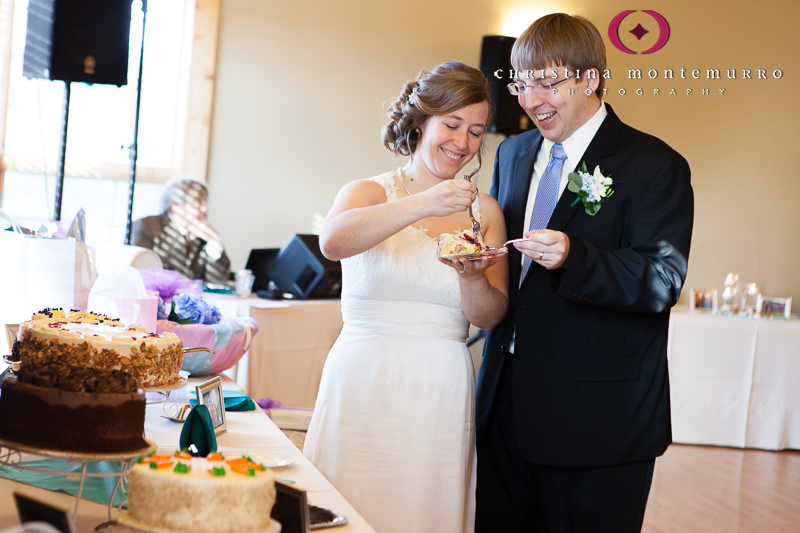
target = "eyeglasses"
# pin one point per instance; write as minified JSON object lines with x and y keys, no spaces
{"x":517,"y":88}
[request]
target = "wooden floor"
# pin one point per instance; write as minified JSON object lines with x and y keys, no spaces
{"x":724,"y":490}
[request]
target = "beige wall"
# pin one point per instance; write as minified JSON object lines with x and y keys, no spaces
{"x":302,"y":86}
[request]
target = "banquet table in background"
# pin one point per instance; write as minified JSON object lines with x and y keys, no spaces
{"x":250,"y":432}
{"x":287,"y":355}
{"x":734,"y":382}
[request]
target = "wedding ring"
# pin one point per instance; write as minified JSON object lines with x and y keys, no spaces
{"x":463,"y":269}
{"x":541,"y":254}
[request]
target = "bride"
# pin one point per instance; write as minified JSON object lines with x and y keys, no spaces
{"x":393,"y":426}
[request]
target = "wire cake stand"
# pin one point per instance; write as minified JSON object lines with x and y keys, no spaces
{"x":11,"y":455}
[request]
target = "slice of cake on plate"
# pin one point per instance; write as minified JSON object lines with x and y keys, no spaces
{"x":464,"y":243}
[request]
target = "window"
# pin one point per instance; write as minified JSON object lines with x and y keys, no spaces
{"x":101,"y":125}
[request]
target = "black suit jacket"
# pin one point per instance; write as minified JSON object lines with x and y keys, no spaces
{"x":590,"y":380}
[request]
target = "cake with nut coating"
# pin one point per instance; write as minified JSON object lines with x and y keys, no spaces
{"x":80,"y":339}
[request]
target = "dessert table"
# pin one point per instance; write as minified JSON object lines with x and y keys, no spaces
{"x":734,"y":382}
{"x":247,"y":431}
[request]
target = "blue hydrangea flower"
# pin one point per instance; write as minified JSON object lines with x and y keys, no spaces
{"x":193,"y":307}
{"x":163,"y":312}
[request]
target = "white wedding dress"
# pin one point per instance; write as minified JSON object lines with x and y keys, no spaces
{"x":393,"y":425}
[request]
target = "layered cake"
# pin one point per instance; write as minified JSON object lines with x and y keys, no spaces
{"x":77,"y":338}
{"x":463,"y":243}
{"x":73,"y":409}
{"x":188,"y":494}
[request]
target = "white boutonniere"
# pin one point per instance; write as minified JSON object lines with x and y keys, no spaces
{"x":592,"y":189}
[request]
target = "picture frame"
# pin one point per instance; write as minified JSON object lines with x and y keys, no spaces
{"x":211,"y":395}
{"x":12,"y":330}
{"x":703,"y":301}
{"x":33,"y":510}
{"x":770,"y":308}
{"x":291,"y":509}
{"x":296,"y":515}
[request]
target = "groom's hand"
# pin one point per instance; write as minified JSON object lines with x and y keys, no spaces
{"x":547,"y":247}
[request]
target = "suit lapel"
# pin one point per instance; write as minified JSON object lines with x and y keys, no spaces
{"x":603,"y":144}
{"x":521,"y":183}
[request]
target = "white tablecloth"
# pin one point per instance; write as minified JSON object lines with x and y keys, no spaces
{"x":287,"y":354}
{"x":735,"y":382}
{"x":247,"y":431}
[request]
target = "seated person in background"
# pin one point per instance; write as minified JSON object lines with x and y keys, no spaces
{"x":181,"y":236}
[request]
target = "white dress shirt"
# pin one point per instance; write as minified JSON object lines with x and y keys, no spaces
{"x":575,"y":146}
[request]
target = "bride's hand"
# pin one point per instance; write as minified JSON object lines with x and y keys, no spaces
{"x":448,"y":197}
{"x":471,"y":268}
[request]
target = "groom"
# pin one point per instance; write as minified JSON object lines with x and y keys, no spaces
{"x":573,"y":391}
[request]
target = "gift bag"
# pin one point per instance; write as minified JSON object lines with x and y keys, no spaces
{"x":40,"y":272}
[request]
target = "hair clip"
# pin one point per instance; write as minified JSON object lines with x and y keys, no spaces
{"x":413,"y":93}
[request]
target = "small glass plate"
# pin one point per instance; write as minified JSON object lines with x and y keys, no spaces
{"x":479,"y":255}
{"x":268,"y":459}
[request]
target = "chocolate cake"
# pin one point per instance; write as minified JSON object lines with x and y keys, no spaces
{"x":54,"y":406}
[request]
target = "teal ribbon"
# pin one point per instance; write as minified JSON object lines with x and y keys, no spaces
{"x":96,"y":489}
{"x":234,"y":401}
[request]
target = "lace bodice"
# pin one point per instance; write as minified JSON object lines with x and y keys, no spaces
{"x":403,"y":267}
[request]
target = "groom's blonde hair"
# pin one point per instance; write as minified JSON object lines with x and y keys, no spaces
{"x":561,"y":40}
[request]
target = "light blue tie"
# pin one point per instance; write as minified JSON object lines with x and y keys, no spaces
{"x":546,"y":197}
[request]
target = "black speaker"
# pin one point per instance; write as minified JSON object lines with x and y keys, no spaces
{"x":78,"y":40}
{"x":302,"y":270}
{"x":508,"y":118}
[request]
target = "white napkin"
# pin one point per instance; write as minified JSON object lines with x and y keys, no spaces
{"x":120,"y":293}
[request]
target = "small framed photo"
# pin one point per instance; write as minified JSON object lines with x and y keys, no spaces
{"x":774,"y":308}
{"x":703,"y":300}
{"x":11,"y":335}
{"x":210,"y":394}
{"x":32,"y":510}
{"x":291,"y":509}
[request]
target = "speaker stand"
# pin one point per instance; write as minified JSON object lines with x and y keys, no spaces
{"x":134,"y":149}
{"x":62,"y":149}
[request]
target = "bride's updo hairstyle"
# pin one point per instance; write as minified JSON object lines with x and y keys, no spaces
{"x":445,"y":89}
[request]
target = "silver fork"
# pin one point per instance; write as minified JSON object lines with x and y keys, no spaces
{"x":476,"y":226}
